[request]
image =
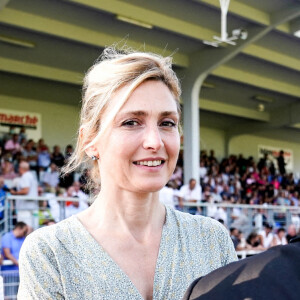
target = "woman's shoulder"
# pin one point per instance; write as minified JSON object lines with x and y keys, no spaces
{"x":207,"y":235}
{"x":50,"y":235}
{"x":188,"y":221}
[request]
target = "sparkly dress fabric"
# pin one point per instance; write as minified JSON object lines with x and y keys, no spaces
{"x":64,"y":261}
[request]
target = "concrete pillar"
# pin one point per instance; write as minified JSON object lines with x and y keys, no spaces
{"x":191,"y":127}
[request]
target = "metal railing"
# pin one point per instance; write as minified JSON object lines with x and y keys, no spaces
{"x":11,"y":279}
{"x":10,"y":211}
{"x":10,"y":284}
{"x":278,"y":216}
{"x":275,"y":215}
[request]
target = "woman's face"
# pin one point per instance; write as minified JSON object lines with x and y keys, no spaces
{"x":281,"y":234}
{"x":139,"y":151}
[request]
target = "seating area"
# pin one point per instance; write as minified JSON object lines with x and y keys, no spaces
{"x":256,"y":201}
{"x":223,"y":184}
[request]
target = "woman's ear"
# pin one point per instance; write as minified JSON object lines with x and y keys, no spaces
{"x":90,"y":151}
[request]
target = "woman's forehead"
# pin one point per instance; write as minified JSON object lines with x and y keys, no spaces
{"x":150,"y":95}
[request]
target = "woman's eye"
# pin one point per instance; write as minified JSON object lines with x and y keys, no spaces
{"x":168,"y":124}
{"x":130,"y":123}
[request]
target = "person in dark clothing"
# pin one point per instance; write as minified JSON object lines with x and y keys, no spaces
{"x":281,"y":163}
{"x":262,"y":162}
{"x":57,"y":157}
{"x":234,"y":234}
{"x":291,"y":232}
{"x":272,"y":169}
{"x":273,"y":274}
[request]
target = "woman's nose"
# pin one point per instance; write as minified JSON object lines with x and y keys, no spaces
{"x":152,"y":139}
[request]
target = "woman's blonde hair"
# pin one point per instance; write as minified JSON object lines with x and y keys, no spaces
{"x":111,"y":72}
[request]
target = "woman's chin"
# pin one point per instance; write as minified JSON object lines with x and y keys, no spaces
{"x":151,"y":187}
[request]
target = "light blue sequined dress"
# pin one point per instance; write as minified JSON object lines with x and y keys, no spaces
{"x":64,"y":261}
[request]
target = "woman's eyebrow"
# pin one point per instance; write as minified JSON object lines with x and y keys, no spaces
{"x":141,"y":113}
{"x":136,"y":113}
{"x":169,"y":113}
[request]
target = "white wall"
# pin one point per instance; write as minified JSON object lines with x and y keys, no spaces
{"x":213,"y":139}
{"x":59,"y":121}
{"x":245,"y":144}
{"x":248,"y":146}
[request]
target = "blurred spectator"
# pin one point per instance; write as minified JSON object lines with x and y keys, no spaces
{"x":190,"y":192}
{"x":12,"y":145}
{"x":7,"y":169}
{"x":22,"y":143}
{"x":75,"y":208}
{"x":3,"y":190}
{"x":27,"y":185}
{"x":44,"y":159}
{"x":57,"y":157}
{"x":221,"y":214}
{"x":234,"y":234}
{"x":254,"y":242}
{"x":216,"y":197}
{"x":30,"y":155}
{"x":177,"y":177}
{"x":12,"y":130}
{"x":296,"y":221}
{"x":291,"y":233}
{"x":281,"y":199}
{"x":69,"y":151}
{"x":272,"y":169}
{"x":281,"y":163}
{"x":212,"y":159}
{"x":258,"y":220}
{"x":262,"y":162}
{"x":242,"y":245}
{"x":240,"y":221}
{"x":22,"y":134}
{"x":270,"y":194}
{"x":44,"y":213}
{"x":40,"y":145}
{"x":211,"y":209}
{"x":78,"y":193}
{"x":205,"y":197}
{"x":50,"y":179}
{"x":279,"y":238}
{"x":294,"y":198}
{"x":225,"y":194}
{"x":266,"y":235}
{"x":202,"y":171}
{"x":166,"y":195}
{"x":11,"y":245}
{"x":226,"y":175}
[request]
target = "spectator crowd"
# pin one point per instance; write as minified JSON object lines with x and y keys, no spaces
{"x":29,"y":168}
{"x":239,"y":180}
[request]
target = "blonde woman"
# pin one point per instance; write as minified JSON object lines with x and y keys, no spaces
{"x":126,"y":245}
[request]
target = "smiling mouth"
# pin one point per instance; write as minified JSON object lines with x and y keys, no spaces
{"x":150,"y":163}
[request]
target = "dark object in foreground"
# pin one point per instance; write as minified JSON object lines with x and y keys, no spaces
{"x":273,"y":274}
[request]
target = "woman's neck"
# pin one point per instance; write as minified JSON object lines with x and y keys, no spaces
{"x":127,"y":213}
